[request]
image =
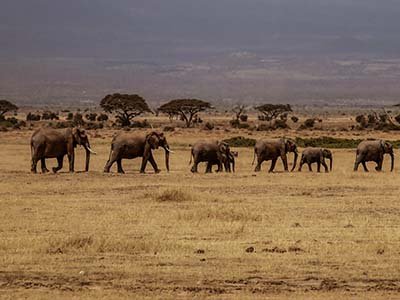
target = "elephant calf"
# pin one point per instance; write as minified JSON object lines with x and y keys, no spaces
{"x":373,"y":151}
{"x":228,"y":162}
{"x":316,"y":155}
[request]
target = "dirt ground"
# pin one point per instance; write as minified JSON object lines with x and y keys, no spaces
{"x":181,"y":235}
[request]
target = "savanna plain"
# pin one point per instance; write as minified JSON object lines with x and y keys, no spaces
{"x":240,"y":235}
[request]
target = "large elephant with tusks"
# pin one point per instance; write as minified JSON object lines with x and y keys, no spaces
{"x":272,"y":149}
{"x":129,"y":146}
{"x":373,"y":150}
{"x":56,"y":143}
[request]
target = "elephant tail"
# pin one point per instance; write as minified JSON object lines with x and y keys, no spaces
{"x":191,"y":156}
{"x":111,"y":151}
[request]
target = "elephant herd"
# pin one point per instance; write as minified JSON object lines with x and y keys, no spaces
{"x":53,"y":143}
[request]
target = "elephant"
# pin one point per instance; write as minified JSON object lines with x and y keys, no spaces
{"x":212,"y":152}
{"x":129,"y":146}
{"x":373,"y":150}
{"x":55,"y":143}
{"x":316,"y":155}
{"x":272,"y":149}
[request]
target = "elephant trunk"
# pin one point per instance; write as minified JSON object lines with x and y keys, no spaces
{"x":331,"y":163}
{"x":167,"y":151}
{"x":88,"y":152}
{"x":233,"y":164}
{"x":296,"y":155}
{"x":392,"y":163}
{"x":87,"y":161}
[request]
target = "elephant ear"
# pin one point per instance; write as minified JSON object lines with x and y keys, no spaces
{"x":153,"y":140}
{"x":76,"y":136}
{"x":383,"y":145}
{"x":388,"y":146}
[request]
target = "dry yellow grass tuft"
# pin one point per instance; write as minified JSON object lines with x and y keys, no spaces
{"x":174,"y":195}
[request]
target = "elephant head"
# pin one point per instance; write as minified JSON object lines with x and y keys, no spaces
{"x":290,"y":146}
{"x":223,"y":153}
{"x":387,"y":148}
{"x":155,"y":140}
{"x":328,"y":154}
{"x":79,"y":137}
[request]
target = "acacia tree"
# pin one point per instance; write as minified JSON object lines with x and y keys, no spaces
{"x":6,"y":106}
{"x":273,"y":111}
{"x":238,"y":110}
{"x":185,"y":108}
{"x":125,"y":106}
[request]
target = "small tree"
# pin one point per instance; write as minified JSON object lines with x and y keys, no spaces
{"x":91,"y":116}
{"x":239,"y":111}
{"x":185,"y":108}
{"x":125,"y":106}
{"x":6,"y":106}
{"x":273,"y":111}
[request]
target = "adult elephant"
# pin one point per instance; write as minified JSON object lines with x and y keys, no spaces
{"x":212,"y":152}
{"x":129,"y":146}
{"x":55,"y":143}
{"x":316,"y":155}
{"x":373,"y":151}
{"x":272,"y":149}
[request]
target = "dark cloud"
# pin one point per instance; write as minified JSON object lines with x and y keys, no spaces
{"x":136,"y":29}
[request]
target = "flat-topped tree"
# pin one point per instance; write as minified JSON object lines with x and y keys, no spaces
{"x":125,"y":106}
{"x":273,"y":111}
{"x":185,"y":108}
{"x":6,"y":106}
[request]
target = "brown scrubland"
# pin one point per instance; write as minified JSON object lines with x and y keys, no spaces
{"x":241,"y":235}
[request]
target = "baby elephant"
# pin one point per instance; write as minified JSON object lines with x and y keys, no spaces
{"x":228,"y":162}
{"x":316,"y":155}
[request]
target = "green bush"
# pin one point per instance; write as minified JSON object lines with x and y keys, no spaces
{"x":240,"y":141}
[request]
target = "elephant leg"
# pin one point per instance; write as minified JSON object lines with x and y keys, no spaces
{"x":36,"y":153}
{"x":325,"y":166}
{"x":145,"y":159}
{"x":318,"y":166}
{"x":273,"y":163}
{"x":154,"y":164}
{"x":285,"y":163}
{"x":34,"y":165}
{"x":359,"y":159}
{"x":195,"y":164}
{"x":301,"y":163}
{"x":43,"y":165}
{"x":71,"y":160}
{"x":379,"y":164}
{"x":364,"y":166}
{"x":209,"y":167}
{"x":113,"y":158}
{"x":60,"y":161}
{"x":119,"y":165}
{"x":309,"y":166}
{"x":259,"y":162}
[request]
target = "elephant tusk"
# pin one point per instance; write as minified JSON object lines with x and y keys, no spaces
{"x":90,"y":150}
{"x":170,"y":151}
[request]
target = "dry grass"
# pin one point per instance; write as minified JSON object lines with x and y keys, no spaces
{"x":244,"y":235}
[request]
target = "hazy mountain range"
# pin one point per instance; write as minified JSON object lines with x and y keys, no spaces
{"x":56,"y":51}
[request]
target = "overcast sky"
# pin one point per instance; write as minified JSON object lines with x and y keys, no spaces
{"x":161,"y":28}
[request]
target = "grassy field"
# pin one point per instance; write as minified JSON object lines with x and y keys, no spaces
{"x":180,"y":235}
